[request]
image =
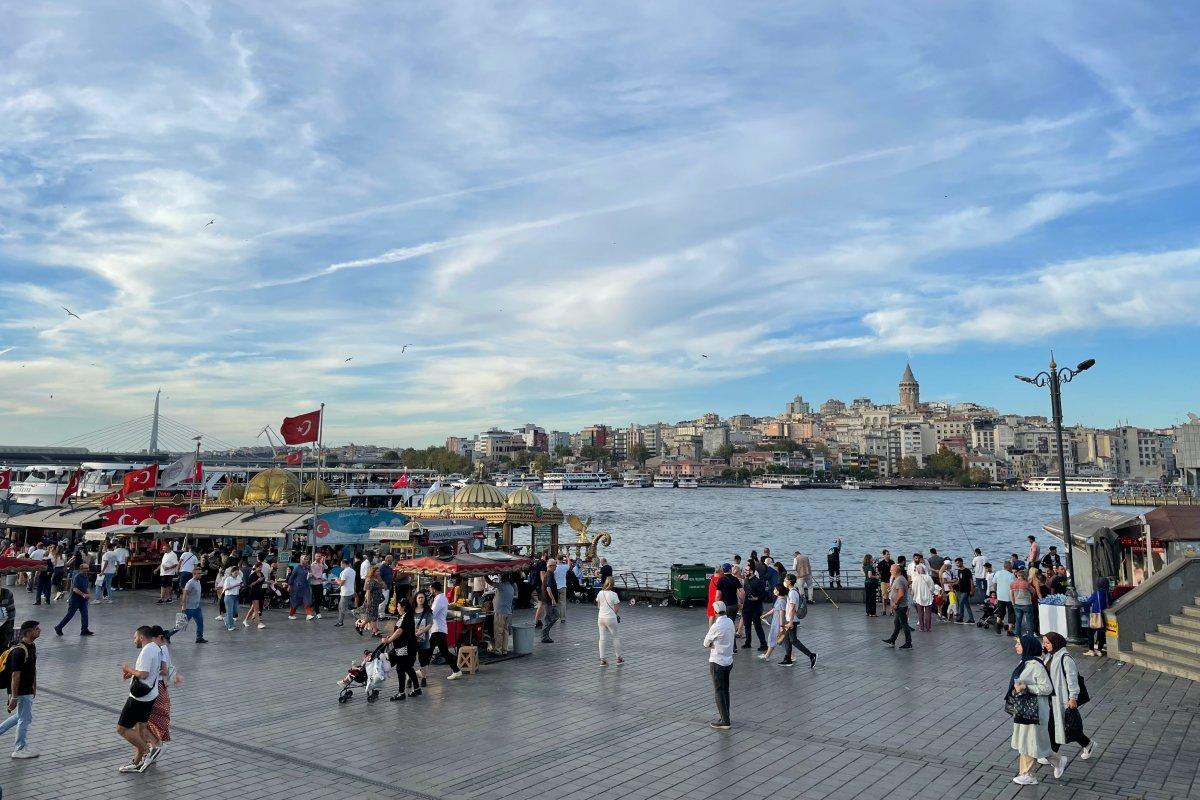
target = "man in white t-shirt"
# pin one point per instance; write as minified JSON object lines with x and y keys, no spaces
{"x":187,"y":565}
{"x":122,"y":559}
{"x":345,"y":580}
{"x":560,"y":578}
{"x":977,"y":563}
{"x":108,"y":572}
{"x":437,"y":639}
{"x":37,"y":553}
{"x":168,"y":571}
{"x":142,"y":676}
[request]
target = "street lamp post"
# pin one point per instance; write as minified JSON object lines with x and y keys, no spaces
{"x":1055,"y":377}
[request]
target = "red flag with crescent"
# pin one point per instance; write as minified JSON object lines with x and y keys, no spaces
{"x":5,"y":478}
{"x":138,"y":480}
{"x":113,"y":498}
{"x":401,"y":482}
{"x":294,"y":457}
{"x":302,"y":429}
{"x":72,"y":485}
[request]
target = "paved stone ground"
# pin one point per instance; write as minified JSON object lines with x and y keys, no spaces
{"x":258,"y":717}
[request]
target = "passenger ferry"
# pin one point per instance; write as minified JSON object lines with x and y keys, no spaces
{"x":851,"y":483}
{"x":563,"y":481}
{"x":664,"y":482}
{"x":1049,"y":483}
{"x":779,"y":482}
{"x":40,"y":484}
{"x":635,"y":480}
{"x":687,"y":483}
{"x":518,"y":480}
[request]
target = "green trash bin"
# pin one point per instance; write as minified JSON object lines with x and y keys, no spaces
{"x":689,"y":583}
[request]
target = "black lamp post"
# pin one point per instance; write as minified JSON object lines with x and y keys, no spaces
{"x":1055,"y":377}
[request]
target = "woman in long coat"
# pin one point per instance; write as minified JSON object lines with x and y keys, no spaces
{"x":1064,"y":676}
{"x":1030,"y":739}
{"x":300,"y":589}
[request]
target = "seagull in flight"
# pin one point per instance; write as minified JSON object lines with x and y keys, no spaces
{"x":348,"y":360}
{"x":8,"y":350}
{"x":703,"y":355}
{"x":402,"y":349}
{"x":70,"y":313}
{"x":210,"y":222}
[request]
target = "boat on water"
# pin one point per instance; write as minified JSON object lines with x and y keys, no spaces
{"x":518,"y":480}
{"x":663,"y":482}
{"x":566,"y":481}
{"x":781,"y":482}
{"x":40,"y":484}
{"x":687,"y":483}
{"x":851,"y":483}
{"x":635,"y":480}
{"x":1049,"y":483}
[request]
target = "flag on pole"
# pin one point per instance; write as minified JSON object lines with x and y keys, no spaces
{"x":294,"y":457}
{"x":401,"y":482}
{"x":182,"y":470}
{"x":72,"y":485}
{"x":302,"y":429}
{"x":138,"y":480}
{"x":5,"y":478}
{"x":113,"y":498}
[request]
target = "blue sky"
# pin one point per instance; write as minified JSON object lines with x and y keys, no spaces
{"x":562,"y":206}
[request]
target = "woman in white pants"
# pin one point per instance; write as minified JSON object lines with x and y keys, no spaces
{"x":608,"y":619}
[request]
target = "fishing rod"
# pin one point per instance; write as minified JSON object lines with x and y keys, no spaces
{"x":958,"y":518}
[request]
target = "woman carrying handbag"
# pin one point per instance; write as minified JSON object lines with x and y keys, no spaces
{"x":1065,"y":724}
{"x":1028,"y":700}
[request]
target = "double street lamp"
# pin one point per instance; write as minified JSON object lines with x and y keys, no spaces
{"x":1055,"y":377}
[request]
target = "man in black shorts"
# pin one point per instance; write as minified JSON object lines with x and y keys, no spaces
{"x":143,"y":690}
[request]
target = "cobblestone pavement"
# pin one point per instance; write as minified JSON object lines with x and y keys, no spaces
{"x":258,"y":717}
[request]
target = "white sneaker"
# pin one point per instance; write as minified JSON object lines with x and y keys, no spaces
{"x":1060,"y":767}
{"x":130,"y":767}
{"x":306,"y":619}
{"x":293,"y":616}
{"x":1086,"y":753}
{"x":108,"y":599}
{"x":153,"y":754}
{"x":246,"y":623}
{"x":318,"y":616}
{"x":454,"y":677}
{"x":24,"y":753}
{"x":1043,"y":761}
{"x":220,"y":616}
{"x":1025,"y":780}
{"x":261,"y":626}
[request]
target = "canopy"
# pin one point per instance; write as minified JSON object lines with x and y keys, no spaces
{"x":486,"y":563}
{"x":1174,"y":523}
{"x":108,"y":531}
{"x":1086,"y":524}
{"x":66,"y":518}
{"x":246,"y":523}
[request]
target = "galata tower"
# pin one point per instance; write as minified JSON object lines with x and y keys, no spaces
{"x":910,"y":390}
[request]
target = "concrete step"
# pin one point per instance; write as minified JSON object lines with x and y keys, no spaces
{"x":1192,"y":611}
{"x":1168,"y":654}
{"x":1180,"y":632}
{"x":1189,"y":647}
{"x":1159,"y":665}
{"x":1186,"y":622}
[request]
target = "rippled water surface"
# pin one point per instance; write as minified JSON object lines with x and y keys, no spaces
{"x":653,"y":528}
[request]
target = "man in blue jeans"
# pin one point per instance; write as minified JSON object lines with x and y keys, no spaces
{"x":963,"y":589}
{"x":189,"y":604}
{"x":78,"y":602}
{"x":21,"y":671}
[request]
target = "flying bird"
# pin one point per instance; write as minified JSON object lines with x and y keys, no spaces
{"x":8,"y":350}
{"x":348,"y":360}
{"x":210,"y":222}
{"x":402,"y":349}
{"x":703,"y":355}
{"x":70,"y":313}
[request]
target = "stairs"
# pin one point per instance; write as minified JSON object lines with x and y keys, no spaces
{"x":1175,"y":648}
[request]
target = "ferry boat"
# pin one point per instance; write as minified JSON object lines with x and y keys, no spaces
{"x":1049,"y":483}
{"x":780,"y":482}
{"x":687,"y":483}
{"x":41,"y":485}
{"x":664,"y":482}
{"x":635,"y":480}
{"x":563,"y":481}
{"x":851,"y":483}
{"x":518,"y":480}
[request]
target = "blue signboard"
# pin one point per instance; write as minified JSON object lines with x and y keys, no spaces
{"x":353,"y":525}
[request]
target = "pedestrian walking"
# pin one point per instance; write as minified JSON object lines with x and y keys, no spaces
{"x":550,"y":598}
{"x":108,"y":573}
{"x":870,"y":585}
{"x":231,"y":587}
{"x":719,"y":641}
{"x":316,"y":583}
{"x":502,"y":609}
{"x":122,"y":564}
{"x":256,"y":595}
{"x":77,"y":602}
{"x":1022,"y":603}
{"x":802,"y":569}
{"x":189,"y":605}
{"x":756,"y":595}
{"x":536,"y":575}
{"x":423,"y":628}
{"x":373,"y":597}
{"x":437,"y":639}
{"x":898,"y":597}
{"x":345,"y":582}
{"x":791,"y":625}
{"x":300,"y":589}
{"x":158,"y":727}
{"x":608,"y":621}
{"x":1004,"y":606}
{"x":922,"y":597}
{"x":883,"y":568}
{"x":19,"y":676}
{"x":776,"y":613}
{"x":143,"y":690}
{"x":560,"y":583}
{"x":168,"y":571}
{"x":1028,"y":697}
{"x":401,"y":647}
{"x":1097,"y":604}
{"x":1064,"y":723}
{"x":964,"y":587}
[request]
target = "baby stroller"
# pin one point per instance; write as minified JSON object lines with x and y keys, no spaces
{"x":369,"y":673}
{"x":989,"y":615}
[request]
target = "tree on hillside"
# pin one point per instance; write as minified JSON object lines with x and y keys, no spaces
{"x":562,"y":451}
{"x":909,"y":467}
{"x":638,"y":454}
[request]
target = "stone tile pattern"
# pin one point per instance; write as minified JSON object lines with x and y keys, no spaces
{"x":258,"y":717}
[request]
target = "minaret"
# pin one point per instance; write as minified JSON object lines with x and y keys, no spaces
{"x":910,"y":390}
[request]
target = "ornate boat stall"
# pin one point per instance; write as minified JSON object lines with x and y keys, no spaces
{"x":504,"y":515}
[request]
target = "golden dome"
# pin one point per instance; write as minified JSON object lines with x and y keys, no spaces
{"x":231,"y":493}
{"x":479,"y":495}
{"x":320,"y":488}
{"x":273,"y":486}
{"x":523,"y":497}
{"x":437,"y":498}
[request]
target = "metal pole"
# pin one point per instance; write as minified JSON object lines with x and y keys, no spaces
{"x":1056,"y":409}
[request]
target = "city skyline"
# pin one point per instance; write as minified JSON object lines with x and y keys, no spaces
{"x":574,"y":218}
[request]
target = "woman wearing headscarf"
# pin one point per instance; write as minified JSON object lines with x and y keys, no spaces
{"x":1030,"y":735}
{"x":1065,"y":724}
{"x":1097,"y":603}
{"x":922,"y":597}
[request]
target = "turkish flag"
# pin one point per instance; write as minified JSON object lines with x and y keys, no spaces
{"x":199,"y":476}
{"x":5,"y":478}
{"x":401,"y":482}
{"x":113,"y":499}
{"x":138,"y":480}
{"x":72,"y":485}
{"x":301,"y":429}
{"x":294,"y":457}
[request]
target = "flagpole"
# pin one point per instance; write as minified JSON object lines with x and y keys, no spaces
{"x":312,"y":540}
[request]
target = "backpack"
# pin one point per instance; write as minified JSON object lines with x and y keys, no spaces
{"x":5,"y":666}
{"x":3,"y":614}
{"x":802,"y":607}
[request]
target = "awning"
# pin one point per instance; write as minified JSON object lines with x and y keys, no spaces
{"x":65,"y":518}
{"x":246,"y":523}
{"x":108,"y":531}
{"x":1085,"y":524}
{"x":1174,"y":523}
{"x":486,"y":563}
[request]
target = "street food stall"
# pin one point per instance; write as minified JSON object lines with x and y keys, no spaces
{"x":1112,"y":544}
{"x":239,"y":524}
{"x":53,"y":524}
{"x":464,"y":623}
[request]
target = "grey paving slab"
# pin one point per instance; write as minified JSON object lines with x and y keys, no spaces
{"x":258,"y":716}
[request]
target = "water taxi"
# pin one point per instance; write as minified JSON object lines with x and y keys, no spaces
{"x":851,"y":483}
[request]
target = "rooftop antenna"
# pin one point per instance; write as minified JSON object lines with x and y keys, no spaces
{"x":154,"y":424}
